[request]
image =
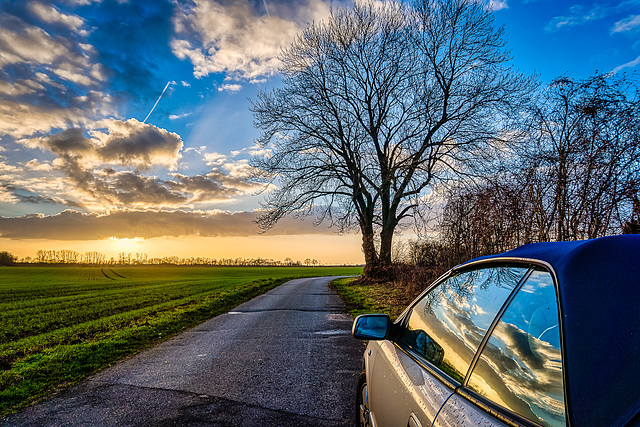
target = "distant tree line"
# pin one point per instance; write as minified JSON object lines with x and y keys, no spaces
{"x":126,"y":258}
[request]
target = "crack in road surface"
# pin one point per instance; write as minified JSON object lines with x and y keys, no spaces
{"x":284,"y":360}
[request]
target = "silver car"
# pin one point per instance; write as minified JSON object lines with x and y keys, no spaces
{"x":547,"y":334}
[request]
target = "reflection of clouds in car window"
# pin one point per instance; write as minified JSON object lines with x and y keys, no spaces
{"x":457,"y":314}
{"x":519,"y":370}
{"x":530,"y":374}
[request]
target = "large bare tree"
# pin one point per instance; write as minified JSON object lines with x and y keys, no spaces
{"x":378,"y":103}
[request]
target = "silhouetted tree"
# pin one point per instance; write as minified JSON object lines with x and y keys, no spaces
{"x":379,"y":102}
{"x":7,"y":258}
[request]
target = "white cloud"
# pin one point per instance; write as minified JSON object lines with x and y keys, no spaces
{"x":237,"y":39}
{"x":579,"y":15}
{"x":214,"y":159}
{"x":498,"y":5}
{"x":230,"y":87}
{"x":627,"y":24}
{"x":627,"y":65}
{"x":50,"y":14}
{"x":179,"y":116}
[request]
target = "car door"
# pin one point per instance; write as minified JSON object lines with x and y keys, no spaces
{"x":412,"y":375}
{"x":518,"y":375}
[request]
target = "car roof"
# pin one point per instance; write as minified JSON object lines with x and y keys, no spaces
{"x":598,"y":284}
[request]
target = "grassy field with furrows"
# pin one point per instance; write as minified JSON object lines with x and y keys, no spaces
{"x":59,"y":324}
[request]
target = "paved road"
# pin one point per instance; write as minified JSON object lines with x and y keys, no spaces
{"x":286,"y":358}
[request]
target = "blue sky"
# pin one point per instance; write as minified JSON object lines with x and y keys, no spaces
{"x":79,"y":163}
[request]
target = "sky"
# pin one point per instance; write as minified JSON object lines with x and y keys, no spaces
{"x":125,"y":125}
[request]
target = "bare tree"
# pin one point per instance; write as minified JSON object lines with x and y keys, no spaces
{"x":582,"y":161}
{"x":379,"y":102}
{"x":484,"y":218}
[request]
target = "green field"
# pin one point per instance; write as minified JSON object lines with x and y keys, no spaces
{"x":60,"y":324}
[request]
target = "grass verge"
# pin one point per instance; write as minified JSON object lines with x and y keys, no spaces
{"x":362,"y":297}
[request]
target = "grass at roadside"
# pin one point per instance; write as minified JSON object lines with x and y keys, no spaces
{"x":363,"y":298}
{"x":60,"y":324}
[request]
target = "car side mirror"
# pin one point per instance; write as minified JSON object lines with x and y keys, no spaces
{"x":371,"y":326}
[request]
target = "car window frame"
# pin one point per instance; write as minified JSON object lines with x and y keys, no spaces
{"x":503,"y":414}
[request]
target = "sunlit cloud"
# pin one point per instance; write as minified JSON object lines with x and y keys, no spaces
{"x":35,"y":165}
{"x":214,"y":159}
{"x":97,"y":163}
{"x":137,"y":144}
{"x":50,"y":14}
{"x":234,"y":37}
{"x":127,"y":143}
{"x":53,"y":82}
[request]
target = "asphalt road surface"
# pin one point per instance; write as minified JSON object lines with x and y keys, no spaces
{"x":286,"y":358}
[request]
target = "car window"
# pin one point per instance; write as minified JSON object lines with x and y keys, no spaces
{"x":447,"y":325}
{"x":520,"y":368}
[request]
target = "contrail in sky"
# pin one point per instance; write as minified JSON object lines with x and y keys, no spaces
{"x":266,"y":8}
{"x":154,"y":105}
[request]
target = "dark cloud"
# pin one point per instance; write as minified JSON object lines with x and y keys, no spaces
{"x":143,"y":145}
{"x":26,"y":196}
{"x":68,"y":142}
{"x":214,"y":185}
{"x":74,"y":225}
{"x":127,"y":143}
{"x":197,"y":183}
{"x":133,"y":189}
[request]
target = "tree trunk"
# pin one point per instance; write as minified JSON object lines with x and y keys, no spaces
{"x":371,"y":259}
{"x":386,"y":242}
